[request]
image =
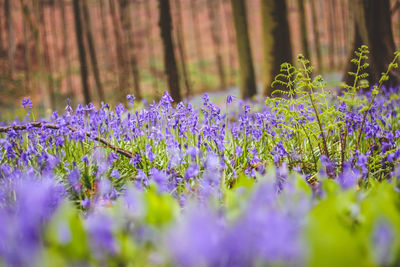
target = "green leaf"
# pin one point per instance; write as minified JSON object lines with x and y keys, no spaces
{"x":161,"y":208}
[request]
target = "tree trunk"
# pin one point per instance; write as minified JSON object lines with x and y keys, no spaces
{"x":331,"y":34}
{"x":54,"y":37}
{"x":343,"y":29}
{"x":303,"y":29}
{"x":104,"y":30}
{"x":81,"y":50}
{"x":92,"y":51}
{"x":150,"y":48}
{"x":277,"y":48}
{"x":216,"y":33}
{"x":65,"y":49}
{"x":350,"y":67}
{"x":27,"y":58}
{"x":182,"y":48}
{"x":125,"y":17}
{"x":373,"y":27}
{"x":317,"y":44}
{"x":246,"y":68}
{"x":123,"y":71}
{"x":397,"y":10}
{"x":46,"y":57}
{"x":231,"y":40}
{"x":1,"y":33}
{"x":10,"y":35}
{"x":165,"y":24}
{"x":34,"y":29}
{"x":198,"y":43}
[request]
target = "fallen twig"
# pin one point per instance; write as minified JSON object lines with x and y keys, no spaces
{"x":102,"y":140}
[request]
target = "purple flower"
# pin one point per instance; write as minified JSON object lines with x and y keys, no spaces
{"x":196,"y":240}
{"x":166,"y":100}
{"x":115,"y":174}
{"x":142,"y":178}
{"x":348,"y":179}
{"x":130,"y":98}
{"x":23,"y":219}
{"x":279,"y":152}
{"x":149,"y":152}
{"x":362,"y":162}
{"x":230,"y":99}
{"x":192,"y":171}
{"x":64,"y":233}
{"x":135,"y":160}
{"x":100,"y":230}
{"x":383,"y":238}
{"x":329,"y":165}
{"x":85,"y":160}
{"x":26,"y":103}
{"x":206,"y":99}
{"x":85,"y":203}
{"x":192,"y":152}
{"x":74,"y":180}
{"x":159,"y":177}
{"x":238,"y":151}
{"x":112,"y":157}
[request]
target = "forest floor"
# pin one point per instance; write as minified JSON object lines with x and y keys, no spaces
{"x":333,"y":81}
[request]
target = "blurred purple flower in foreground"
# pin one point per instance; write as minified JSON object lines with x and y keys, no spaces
{"x":22,"y":218}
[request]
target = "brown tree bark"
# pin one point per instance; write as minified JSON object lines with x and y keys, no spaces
{"x":277,"y":48}
{"x":331,"y":34}
{"x":46,"y":56}
{"x":92,"y":50}
{"x":65,"y":48}
{"x":373,"y":27}
{"x":10,"y":35}
{"x":165,"y":24}
{"x":27,"y":57}
{"x":34,"y":30}
{"x":1,"y":31}
{"x":54,"y":55}
{"x":53,"y":33}
{"x":344,"y":22}
{"x":104,"y":31}
{"x":317,"y":43}
{"x":182,"y":48}
{"x":303,"y":29}
{"x":213,"y":8}
{"x":231,"y":40}
{"x":81,"y":51}
{"x":246,"y":68}
{"x":198,"y":43}
{"x":125,"y":17}
{"x":122,"y":66}
{"x":150,"y":48}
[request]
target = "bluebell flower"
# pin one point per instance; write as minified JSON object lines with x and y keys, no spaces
{"x":230,"y":99}
{"x":159,"y":177}
{"x":383,"y":238}
{"x":130,"y":98}
{"x":115,"y":174}
{"x":74,"y":180}
{"x":26,"y":103}
{"x":85,"y":203}
{"x":192,"y":171}
{"x":102,"y":241}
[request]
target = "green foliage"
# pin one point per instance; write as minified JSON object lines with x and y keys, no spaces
{"x":311,"y":113}
{"x":160,"y":209}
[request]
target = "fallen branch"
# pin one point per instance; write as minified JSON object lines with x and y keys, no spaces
{"x":73,"y":129}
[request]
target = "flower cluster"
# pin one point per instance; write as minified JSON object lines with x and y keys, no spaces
{"x":182,"y":185}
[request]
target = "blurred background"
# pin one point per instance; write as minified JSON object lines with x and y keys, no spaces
{"x":102,"y":50}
